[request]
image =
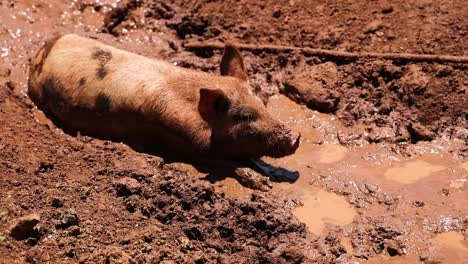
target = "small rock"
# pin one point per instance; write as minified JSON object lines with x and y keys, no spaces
{"x":252,"y":179}
{"x":373,"y":26}
{"x":419,"y":132}
{"x":380,"y":134}
{"x":394,"y":248}
{"x":127,"y":186}
{"x":23,"y":227}
{"x":182,"y":167}
{"x":418,"y":204}
{"x":116,"y":255}
{"x":67,"y":219}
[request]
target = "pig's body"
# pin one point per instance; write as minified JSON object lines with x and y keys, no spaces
{"x":110,"y":93}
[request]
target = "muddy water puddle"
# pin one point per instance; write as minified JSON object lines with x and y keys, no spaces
{"x":324,"y":208}
{"x":412,"y":171}
{"x":450,"y":247}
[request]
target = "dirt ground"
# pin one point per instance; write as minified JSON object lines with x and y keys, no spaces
{"x":380,"y":176}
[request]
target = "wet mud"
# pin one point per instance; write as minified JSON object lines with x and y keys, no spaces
{"x":380,"y":175}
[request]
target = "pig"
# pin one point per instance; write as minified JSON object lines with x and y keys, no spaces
{"x":182,"y":114}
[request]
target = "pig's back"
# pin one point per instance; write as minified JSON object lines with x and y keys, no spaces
{"x":103,"y":91}
{"x":83,"y":70}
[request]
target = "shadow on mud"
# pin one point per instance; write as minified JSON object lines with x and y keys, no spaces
{"x":278,"y":174}
{"x":273,"y":173}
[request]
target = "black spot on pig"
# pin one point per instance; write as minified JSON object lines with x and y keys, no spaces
{"x":82,"y":81}
{"x":103,"y":56}
{"x":101,"y":72}
{"x":102,"y":103}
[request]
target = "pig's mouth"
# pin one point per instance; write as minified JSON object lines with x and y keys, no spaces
{"x":287,"y":146}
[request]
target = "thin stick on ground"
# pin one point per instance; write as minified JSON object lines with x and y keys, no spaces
{"x":332,"y":53}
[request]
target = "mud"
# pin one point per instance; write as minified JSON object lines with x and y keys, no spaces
{"x":380,"y":175}
{"x":324,"y":208}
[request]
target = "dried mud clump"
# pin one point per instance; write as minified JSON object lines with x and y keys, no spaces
{"x":375,"y":236}
{"x":408,"y":99}
{"x":212,"y":227}
{"x":315,"y":87}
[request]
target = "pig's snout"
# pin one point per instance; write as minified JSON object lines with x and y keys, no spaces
{"x":285,"y":142}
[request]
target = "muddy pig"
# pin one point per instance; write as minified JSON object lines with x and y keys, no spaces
{"x":184,"y":114}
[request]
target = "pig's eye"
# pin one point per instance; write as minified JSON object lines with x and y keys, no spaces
{"x":222,"y":104}
{"x":245,"y":114}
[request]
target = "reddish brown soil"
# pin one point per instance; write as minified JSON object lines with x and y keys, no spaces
{"x":100,"y":201}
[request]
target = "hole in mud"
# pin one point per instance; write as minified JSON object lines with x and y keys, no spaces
{"x":392,"y":252}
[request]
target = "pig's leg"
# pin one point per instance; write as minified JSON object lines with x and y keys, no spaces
{"x":245,"y":175}
{"x":252,"y":179}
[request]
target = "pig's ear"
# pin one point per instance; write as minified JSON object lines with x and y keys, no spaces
{"x":213,"y":103}
{"x":232,"y":63}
